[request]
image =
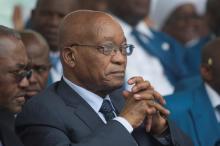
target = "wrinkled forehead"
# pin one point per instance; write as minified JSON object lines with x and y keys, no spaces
{"x":90,"y":27}
{"x":106,"y":29}
{"x":12,"y":51}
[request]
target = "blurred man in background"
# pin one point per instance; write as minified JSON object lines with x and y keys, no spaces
{"x":156,"y":57}
{"x":38,"y":54}
{"x":45,"y":19}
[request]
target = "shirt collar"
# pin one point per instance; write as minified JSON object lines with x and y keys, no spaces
{"x":141,"y":27}
{"x":214,"y":97}
{"x":92,"y":99}
{"x":54,"y":54}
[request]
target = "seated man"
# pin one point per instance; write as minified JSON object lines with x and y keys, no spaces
{"x":14,"y":76}
{"x":197,"y":111}
{"x":38,"y":53}
{"x":78,"y":110}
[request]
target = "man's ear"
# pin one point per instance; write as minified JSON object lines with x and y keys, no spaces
{"x":68,"y":55}
{"x":206,"y":72}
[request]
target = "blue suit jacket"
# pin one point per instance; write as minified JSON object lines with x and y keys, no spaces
{"x":193,"y":55}
{"x":171,"y":55}
{"x":193,"y":113}
{"x":188,"y":84}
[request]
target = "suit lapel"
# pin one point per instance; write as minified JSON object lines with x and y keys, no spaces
{"x":202,"y":113}
{"x":82,"y":108}
{"x":117,"y":99}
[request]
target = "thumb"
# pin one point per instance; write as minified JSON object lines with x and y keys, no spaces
{"x":126,"y":94}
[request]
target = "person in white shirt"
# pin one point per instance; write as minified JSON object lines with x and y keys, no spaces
{"x":156,"y":57}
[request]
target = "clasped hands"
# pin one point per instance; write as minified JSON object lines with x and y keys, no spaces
{"x":144,"y":104}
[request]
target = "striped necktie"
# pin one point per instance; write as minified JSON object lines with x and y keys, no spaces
{"x":107,"y":110}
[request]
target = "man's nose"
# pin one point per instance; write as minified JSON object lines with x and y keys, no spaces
{"x":24,"y":83}
{"x":118,"y":57}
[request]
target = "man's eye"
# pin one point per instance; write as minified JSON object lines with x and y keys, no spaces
{"x":39,"y":69}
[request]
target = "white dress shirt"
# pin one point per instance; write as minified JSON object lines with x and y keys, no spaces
{"x":57,"y":73}
{"x":214,"y":98}
{"x":141,"y":63}
{"x":95,"y":102}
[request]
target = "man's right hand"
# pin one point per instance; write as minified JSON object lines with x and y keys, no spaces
{"x":138,"y":104}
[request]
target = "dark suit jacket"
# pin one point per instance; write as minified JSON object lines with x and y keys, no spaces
{"x":59,"y":116}
{"x":8,"y":136}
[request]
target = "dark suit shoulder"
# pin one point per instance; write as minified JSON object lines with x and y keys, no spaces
{"x":43,"y":109}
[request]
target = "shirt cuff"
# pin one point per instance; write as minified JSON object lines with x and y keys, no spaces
{"x":125,"y":123}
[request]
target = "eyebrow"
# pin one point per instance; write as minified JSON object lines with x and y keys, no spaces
{"x":19,"y":65}
{"x":124,"y":40}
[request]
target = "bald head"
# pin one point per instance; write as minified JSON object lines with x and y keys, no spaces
{"x":88,"y":40}
{"x":84,"y":26}
{"x":8,"y":40}
{"x":35,"y":44}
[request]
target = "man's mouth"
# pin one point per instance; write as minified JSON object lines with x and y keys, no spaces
{"x":32,"y":92}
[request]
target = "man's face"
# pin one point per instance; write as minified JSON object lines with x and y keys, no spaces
{"x":47,"y":17}
{"x":184,"y":23}
{"x":96,"y":71}
{"x":40,"y":65}
{"x":13,"y":61}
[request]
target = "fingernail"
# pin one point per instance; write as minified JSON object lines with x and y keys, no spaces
{"x":137,"y":96}
{"x":134,"y":89}
{"x":130,"y":81}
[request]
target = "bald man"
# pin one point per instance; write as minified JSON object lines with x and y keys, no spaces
{"x":14,"y":74}
{"x":197,"y":111}
{"x":79,"y":110}
{"x":38,"y":53}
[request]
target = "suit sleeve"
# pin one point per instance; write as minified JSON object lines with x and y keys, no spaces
{"x":109,"y":135}
{"x":178,"y":138}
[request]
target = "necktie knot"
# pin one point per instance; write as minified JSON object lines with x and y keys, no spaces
{"x":107,"y":110}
